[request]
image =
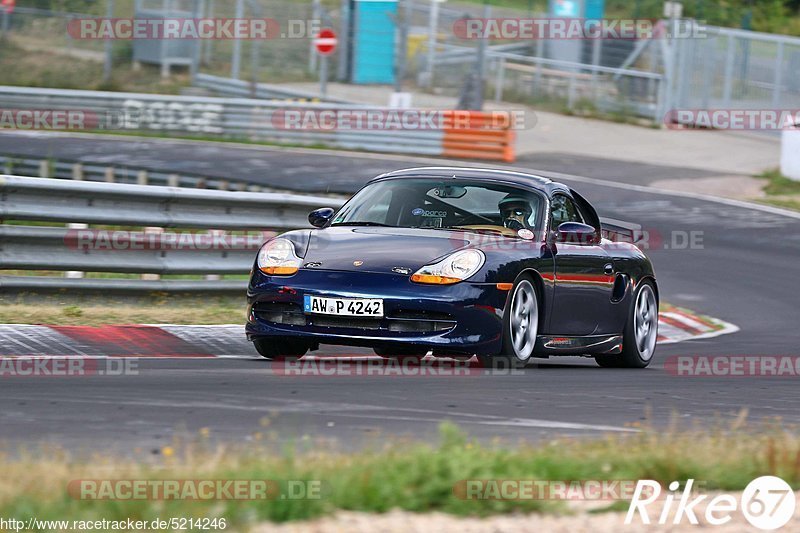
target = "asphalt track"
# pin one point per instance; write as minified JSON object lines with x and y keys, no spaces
{"x":745,"y":273}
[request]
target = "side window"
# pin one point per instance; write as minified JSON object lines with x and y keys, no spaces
{"x":563,"y":209}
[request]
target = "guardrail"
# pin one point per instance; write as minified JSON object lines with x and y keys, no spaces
{"x":225,"y":248}
{"x":237,"y":118}
{"x":245,"y":89}
{"x":25,"y":165}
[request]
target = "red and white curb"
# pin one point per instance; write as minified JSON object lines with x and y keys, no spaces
{"x":180,"y":341}
{"x":676,"y":325}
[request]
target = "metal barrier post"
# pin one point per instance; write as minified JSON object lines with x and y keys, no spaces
{"x":75,"y":274}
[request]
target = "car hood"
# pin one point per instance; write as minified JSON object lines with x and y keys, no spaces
{"x":380,"y":249}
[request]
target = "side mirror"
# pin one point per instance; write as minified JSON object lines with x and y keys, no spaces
{"x":319,"y":217}
{"x":577,"y":233}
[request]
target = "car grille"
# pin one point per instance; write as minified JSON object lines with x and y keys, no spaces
{"x":280,"y":313}
{"x":404,"y":321}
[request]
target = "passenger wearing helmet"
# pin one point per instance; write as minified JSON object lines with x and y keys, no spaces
{"x":515,"y":212}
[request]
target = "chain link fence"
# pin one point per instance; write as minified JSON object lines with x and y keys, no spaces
{"x":737,"y":69}
{"x":725,"y":68}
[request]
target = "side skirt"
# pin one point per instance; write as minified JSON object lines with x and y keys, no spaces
{"x":589,"y":345}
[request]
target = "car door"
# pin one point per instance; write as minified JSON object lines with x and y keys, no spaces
{"x":583,"y":278}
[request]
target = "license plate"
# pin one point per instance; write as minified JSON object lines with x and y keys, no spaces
{"x":343,"y":306}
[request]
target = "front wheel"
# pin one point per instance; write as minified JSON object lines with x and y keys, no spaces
{"x":278,"y":349}
{"x":640,"y":334}
{"x":520,"y":327}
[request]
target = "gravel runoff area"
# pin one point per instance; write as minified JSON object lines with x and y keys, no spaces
{"x":581,"y":520}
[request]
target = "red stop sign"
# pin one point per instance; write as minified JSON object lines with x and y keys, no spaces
{"x":7,"y":5}
{"x":325,"y":42}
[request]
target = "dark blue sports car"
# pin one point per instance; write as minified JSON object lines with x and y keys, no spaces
{"x":499,"y":264}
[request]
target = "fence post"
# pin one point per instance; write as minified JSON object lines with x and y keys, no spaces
{"x":5,"y":24}
{"x":109,"y":46}
{"x":207,"y":42}
{"x":44,"y":168}
{"x":537,"y":76}
{"x":77,"y":172}
{"x":141,"y":177}
{"x":312,"y":54}
{"x":571,"y":90}
{"x":595,"y":62}
{"x":776,"y":91}
{"x":197,"y":46}
{"x":433,"y":31}
{"x":109,"y":174}
{"x":237,"y":44}
{"x":173,"y":180}
{"x":499,"y":81}
{"x":728,"y":81}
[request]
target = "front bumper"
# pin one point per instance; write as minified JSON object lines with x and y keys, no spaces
{"x":463,"y":317}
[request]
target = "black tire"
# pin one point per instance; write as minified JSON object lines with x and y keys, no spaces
{"x":276,"y":349}
{"x":637,"y":349}
{"x":609,"y":361}
{"x":513,"y":354}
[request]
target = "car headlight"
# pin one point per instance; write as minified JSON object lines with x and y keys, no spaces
{"x":452,"y":269}
{"x":278,"y":258}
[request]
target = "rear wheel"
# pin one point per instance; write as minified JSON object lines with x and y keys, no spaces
{"x":520,"y":328}
{"x":640,"y":334}
{"x":279,"y":349}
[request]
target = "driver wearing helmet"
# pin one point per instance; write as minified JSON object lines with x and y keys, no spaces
{"x":515,"y":212}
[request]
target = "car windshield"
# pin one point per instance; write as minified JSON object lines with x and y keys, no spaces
{"x":438,"y":203}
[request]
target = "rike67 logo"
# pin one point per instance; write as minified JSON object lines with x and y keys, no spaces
{"x":767,"y":503}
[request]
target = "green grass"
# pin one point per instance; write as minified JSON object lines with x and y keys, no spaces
{"x":787,"y":204}
{"x":781,"y":191}
{"x":779,"y":184}
{"x":30,"y":68}
{"x":411,"y":476}
{"x":155,"y":308}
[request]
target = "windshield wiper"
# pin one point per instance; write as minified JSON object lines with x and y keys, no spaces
{"x":478,"y":230}
{"x":363,"y":223}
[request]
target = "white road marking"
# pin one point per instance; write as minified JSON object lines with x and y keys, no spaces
{"x":683,"y":319}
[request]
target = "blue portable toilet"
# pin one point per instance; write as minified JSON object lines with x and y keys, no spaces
{"x":373,"y":34}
